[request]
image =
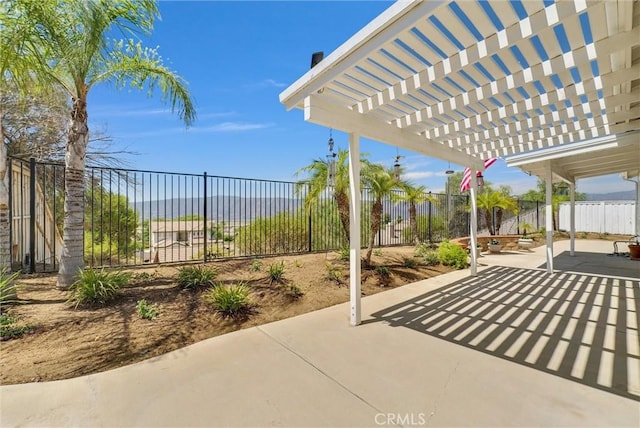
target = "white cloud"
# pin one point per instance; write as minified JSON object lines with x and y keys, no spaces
{"x":417,"y":175}
{"x":266,"y":83}
{"x":232,"y":127}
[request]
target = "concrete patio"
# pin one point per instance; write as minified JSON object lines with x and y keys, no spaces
{"x":514,"y":346}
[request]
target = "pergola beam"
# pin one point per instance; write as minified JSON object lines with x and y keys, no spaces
{"x":322,"y":112}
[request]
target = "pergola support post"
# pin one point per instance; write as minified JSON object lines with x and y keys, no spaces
{"x":354,"y":229}
{"x":549,"y":218}
{"x":473,"y":244}
{"x":572,"y":218}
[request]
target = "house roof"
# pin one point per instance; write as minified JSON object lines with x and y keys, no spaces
{"x":470,"y":80}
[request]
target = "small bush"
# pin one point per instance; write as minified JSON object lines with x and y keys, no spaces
{"x":196,"y":276}
{"x":344,"y":254}
{"x":256,"y":266}
{"x":450,"y":254}
{"x":377,"y":252}
{"x":383,"y":271}
{"x":423,"y":249}
{"x":146,"y":311}
{"x":230,"y":302}
{"x":143,"y":278}
{"x":8,"y":290}
{"x":97,"y":287}
{"x":409,"y":262}
{"x":431,"y":258}
{"x":295,"y":291}
{"x":276,"y":272}
{"x":10,"y":328}
{"x":298,"y":263}
{"x":333,"y":273}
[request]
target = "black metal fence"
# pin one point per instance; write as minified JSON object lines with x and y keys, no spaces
{"x":135,"y":217}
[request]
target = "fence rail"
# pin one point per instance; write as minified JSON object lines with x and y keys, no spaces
{"x":138,"y":217}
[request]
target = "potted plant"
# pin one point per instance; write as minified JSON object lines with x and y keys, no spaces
{"x":634,"y":248}
{"x":494,"y":246}
{"x":524,"y":241}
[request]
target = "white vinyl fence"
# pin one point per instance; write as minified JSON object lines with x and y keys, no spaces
{"x":615,"y":217}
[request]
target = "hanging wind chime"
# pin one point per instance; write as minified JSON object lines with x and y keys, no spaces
{"x":331,"y":161}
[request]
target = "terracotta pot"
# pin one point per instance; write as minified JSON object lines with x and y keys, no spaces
{"x":634,"y":251}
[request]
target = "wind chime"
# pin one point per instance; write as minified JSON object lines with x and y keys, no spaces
{"x":396,"y":167}
{"x":331,"y":161}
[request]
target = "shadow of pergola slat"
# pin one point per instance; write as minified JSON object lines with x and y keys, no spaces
{"x":577,"y":326}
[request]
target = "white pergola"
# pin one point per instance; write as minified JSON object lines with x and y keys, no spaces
{"x":552,"y":87}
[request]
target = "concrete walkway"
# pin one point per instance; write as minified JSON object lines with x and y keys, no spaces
{"x":513,"y":346}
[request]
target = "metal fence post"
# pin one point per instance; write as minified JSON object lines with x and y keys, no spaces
{"x":537,"y":216}
{"x":204,"y":214}
{"x":429,"y":221}
{"x":32,"y":215}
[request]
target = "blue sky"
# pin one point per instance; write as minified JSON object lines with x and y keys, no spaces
{"x":237,"y":57}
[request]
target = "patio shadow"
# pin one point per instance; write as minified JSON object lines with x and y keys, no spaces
{"x":577,"y":326}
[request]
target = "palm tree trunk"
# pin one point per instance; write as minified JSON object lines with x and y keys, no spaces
{"x":342,"y":201}
{"x":499,"y":214}
{"x":376,"y":216}
{"x":414,"y":223}
{"x":487,"y":218}
{"x":5,"y":238}
{"x":71,"y":260}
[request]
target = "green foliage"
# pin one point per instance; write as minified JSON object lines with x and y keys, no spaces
{"x":256,"y":265}
{"x":431,"y":258}
{"x":297,"y":263}
{"x":450,"y":254}
{"x":11,"y":328}
{"x":276,"y":272}
{"x":97,"y":286}
{"x":110,"y":225}
{"x":193,"y":277}
{"x":423,"y":249}
{"x":190,"y":217}
{"x":146,"y":311}
{"x":377,"y":252}
{"x":142,"y":278}
{"x":333,"y":273}
{"x":285,"y":232}
{"x":232,"y":301}
{"x":8,"y":290}
{"x":383,"y":271}
{"x":438,"y":228}
{"x":344,"y":253}
{"x":228,"y":238}
{"x":410,"y":262}
{"x":295,"y":291}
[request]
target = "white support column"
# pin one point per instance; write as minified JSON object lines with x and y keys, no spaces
{"x":354,"y":228}
{"x":549,"y":217}
{"x":637,"y":205}
{"x":473,"y":243}
{"x":572,"y":218}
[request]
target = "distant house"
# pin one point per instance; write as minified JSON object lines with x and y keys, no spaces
{"x":181,"y":232}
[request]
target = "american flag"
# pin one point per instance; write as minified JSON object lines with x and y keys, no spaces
{"x":465,"y":184}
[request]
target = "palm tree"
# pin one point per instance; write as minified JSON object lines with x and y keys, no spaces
{"x":317,"y":182}
{"x":414,"y":196}
{"x":490,"y":199}
{"x":380,"y":182}
{"x":73,"y":48}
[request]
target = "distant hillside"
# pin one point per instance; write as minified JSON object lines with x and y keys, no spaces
{"x":229,"y":208}
{"x":613,"y":196}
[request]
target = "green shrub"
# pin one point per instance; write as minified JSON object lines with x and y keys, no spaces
{"x":146,"y":311}
{"x":423,"y":249}
{"x":10,"y":328}
{"x":196,"y":276}
{"x":295,"y":291}
{"x":97,"y":286}
{"x":8,"y":290}
{"x":431,"y":258}
{"x":438,"y":228}
{"x":298,"y":263}
{"x":377,"y":252}
{"x":410,"y":262}
{"x":344,"y":253}
{"x":232,"y":301}
{"x":276,"y":272}
{"x":383,"y":271}
{"x":256,"y":265}
{"x":450,"y":254}
{"x":333,"y":273}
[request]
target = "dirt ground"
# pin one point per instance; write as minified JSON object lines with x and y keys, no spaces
{"x":67,"y":342}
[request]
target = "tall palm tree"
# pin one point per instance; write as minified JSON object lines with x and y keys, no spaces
{"x":414,"y":195}
{"x":490,"y":200}
{"x":73,"y":48}
{"x":317,"y":181}
{"x":380,"y":182}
